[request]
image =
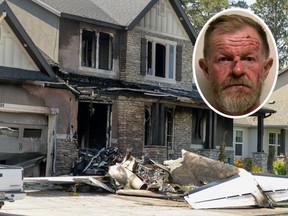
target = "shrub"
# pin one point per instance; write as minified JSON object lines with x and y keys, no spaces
{"x":271,"y":159}
{"x":256,"y":168}
{"x":279,"y":167}
{"x":247,"y":164}
{"x":238,"y":163}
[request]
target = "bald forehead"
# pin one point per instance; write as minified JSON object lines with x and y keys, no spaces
{"x":245,"y":37}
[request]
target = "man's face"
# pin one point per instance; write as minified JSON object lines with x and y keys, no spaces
{"x":236,"y":69}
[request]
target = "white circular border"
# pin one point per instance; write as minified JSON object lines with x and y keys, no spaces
{"x":200,"y":80}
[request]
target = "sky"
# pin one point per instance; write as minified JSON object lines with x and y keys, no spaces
{"x":249,"y":2}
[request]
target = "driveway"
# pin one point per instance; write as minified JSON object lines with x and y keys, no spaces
{"x":58,"y":202}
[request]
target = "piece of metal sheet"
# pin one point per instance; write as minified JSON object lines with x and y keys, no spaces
{"x":90,"y":180}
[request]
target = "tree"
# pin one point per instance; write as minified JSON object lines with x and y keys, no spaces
{"x":200,"y":11}
{"x":239,"y":4}
{"x":274,"y":13}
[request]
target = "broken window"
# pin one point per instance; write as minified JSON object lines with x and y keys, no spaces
{"x":159,"y":59}
{"x":97,"y":50}
{"x":238,"y":142}
{"x":88,"y":48}
{"x":169,"y":127}
{"x":159,"y":125}
{"x":9,"y":132}
{"x":198,"y":125}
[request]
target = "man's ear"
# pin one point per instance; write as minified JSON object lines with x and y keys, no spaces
{"x":203,"y":65}
{"x":267,"y":66}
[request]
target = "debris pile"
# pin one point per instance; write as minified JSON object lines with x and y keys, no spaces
{"x":139,"y":174}
{"x":201,"y":181}
{"x":95,"y":162}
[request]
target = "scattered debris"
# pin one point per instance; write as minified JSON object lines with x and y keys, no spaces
{"x":94,"y":161}
{"x":201,"y":181}
{"x":194,"y":169}
{"x":90,"y":180}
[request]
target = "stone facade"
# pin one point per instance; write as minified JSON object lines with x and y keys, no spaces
{"x":182,"y":131}
{"x":214,"y":154}
{"x":260,"y":159}
{"x":67,"y":153}
{"x":133,"y":58}
{"x":130,"y":131}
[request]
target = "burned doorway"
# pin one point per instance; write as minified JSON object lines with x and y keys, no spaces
{"x":94,"y":120}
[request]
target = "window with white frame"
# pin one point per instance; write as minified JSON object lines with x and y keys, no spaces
{"x":274,"y":142}
{"x":97,"y":49}
{"x":238,"y":142}
{"x":159,"y":59}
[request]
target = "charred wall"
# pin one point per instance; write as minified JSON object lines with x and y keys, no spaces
{"x":131,"y":129}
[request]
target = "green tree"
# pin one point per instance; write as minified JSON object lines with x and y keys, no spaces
{"x":239,"y":4}
{"x":200,"y":11}
{"x":274,"y":13}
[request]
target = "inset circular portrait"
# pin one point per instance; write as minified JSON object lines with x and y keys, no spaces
{"x":235,"y":63}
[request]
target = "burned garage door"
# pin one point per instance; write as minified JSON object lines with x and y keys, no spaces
{"x":23,"y":136}
{"x":94,"y":125}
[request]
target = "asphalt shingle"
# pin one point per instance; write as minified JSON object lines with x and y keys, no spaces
{"x":18,"y":74}
{"x":116,"y":12}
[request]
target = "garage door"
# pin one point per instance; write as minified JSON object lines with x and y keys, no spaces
{"x":22,"y":135}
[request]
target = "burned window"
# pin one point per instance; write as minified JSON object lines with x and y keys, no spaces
{"x":97,"y":50}
{"x":105,"y":51}
{"x":159,"y":125}
{"x":88,"y":48}
{"x":9,"y":132}
{"x":160,"y":59}
{"x":169,"y":127}
{"x":32,"y":133}
{"x":148,"y":137}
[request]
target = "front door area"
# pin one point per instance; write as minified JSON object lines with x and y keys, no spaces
{"x":94,"y":120}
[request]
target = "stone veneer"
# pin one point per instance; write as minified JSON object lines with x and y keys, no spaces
{"x":214,"y":153}
{"x":260,"y":159}
{"x":67,"y":153}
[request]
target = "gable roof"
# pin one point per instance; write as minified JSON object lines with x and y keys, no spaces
{"x":282,"y":79}
{"x":118,"y":14}
{"x":46,"y":73}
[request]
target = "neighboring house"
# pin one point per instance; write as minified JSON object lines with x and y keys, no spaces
{"x":129,"y":63}
{"x":275,"y":134}
{"x":29,"y":108}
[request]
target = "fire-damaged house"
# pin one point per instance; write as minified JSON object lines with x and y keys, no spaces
{"x":30,"y":111}
{"x":117,"y":74}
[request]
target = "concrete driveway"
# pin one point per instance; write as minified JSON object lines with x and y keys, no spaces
{"x":58,"y":202}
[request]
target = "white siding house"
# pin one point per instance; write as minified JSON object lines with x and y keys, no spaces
{"x":275,"y":133}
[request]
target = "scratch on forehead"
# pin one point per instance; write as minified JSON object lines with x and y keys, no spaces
{"x":235,"y":41}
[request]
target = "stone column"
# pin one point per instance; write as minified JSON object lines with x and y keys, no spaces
{"x":260,"y":159}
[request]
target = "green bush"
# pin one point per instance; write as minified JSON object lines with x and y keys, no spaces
{"x":248,"y":164}
{"x":279,"y":167}
{"x":271,"y":159}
